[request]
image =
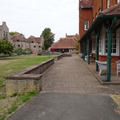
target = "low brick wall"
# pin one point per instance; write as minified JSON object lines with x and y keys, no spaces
{"x":27,"y":80}
{"x":62,"y":55}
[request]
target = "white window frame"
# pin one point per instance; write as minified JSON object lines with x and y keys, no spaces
{"x":108,"y":3}
{"x":118,"y":1}
{"x":117,"y":49}
{"x":86,"y":25}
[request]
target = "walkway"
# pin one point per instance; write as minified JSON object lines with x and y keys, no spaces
{"x":70,"y":92}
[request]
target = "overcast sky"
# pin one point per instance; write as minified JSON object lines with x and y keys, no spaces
{"x":30,"y":17}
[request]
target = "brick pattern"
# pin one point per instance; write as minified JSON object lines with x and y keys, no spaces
{"x":70,"y":75}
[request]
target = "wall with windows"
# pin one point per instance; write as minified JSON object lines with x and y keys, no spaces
{"x":106,"y":4}
{"x":85,"y":19}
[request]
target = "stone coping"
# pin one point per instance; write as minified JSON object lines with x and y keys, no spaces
{"x":27,"y":72}
{"x":24,"y":74}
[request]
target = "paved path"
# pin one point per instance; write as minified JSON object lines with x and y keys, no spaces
{"x":70,"y":92}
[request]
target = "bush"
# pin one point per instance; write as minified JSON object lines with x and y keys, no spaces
{"x":6,"y":47}
{"x":27,"y":51}
{"x":39,"y":53}
{"x":77,"y":52}
{"x":18,"y":51}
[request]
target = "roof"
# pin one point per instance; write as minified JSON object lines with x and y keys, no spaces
{"x":111,"y":12}
{"x":34,"y":39}
{"x":66,"y":43}
{"x":114,"y":10}
{"x":18,"y":37}
{"x":85,"y":3}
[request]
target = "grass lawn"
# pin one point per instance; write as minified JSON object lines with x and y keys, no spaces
{"x":14,"y":64}
{"x":11,"y":65}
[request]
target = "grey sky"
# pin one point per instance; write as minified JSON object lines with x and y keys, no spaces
{"x":30,"y":17}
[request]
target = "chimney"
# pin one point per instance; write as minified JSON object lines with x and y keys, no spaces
{"x":66,"y":34}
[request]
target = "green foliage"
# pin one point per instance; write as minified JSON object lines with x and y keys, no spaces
{"x":18,"y":51}
{"x":43,"y":47}
{"x":77,"y":45}
{"x":12,"y":33}
{"x":6,"y":47}
{"x":21,"y":98}
{"x":48,"y":37}
{"x":27,"y":51}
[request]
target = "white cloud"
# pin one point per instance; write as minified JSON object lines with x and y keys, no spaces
{"x":32,"y":16}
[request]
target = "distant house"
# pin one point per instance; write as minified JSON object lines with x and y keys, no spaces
{"x":19,"y":41}
{"x":67,"y":44}
{"x":4,"y":32}
{"x":35,"y":43}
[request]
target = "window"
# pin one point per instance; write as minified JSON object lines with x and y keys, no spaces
{"x":114,"y":45}
{"x":118,"y":1}
{"x":18,"y":45}
{"x":86,"y":25}
{"x":108,"y":3}
{"x":34,"y":46}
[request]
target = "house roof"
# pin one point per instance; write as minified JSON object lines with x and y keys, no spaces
{"x":34,"y":39}
{"x":111,"y":12}
{"x":85,"y":3}
{"x":66,"y":43}
{"x":114,"y":10}
{"x":18,"y":37}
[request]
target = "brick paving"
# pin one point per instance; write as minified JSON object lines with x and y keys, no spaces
{"x":70,"y":75}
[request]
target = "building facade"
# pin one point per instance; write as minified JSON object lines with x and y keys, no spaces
{"x":4,"y":32}
{"x":101,"y":40}
{"x":33,"y":43}
{"x":19,"y":41}
{"x":67,"y":44}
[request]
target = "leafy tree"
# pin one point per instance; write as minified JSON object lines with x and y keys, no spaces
{"x":77,"y":45}
{"x":6,"y":47}
{"x":49,"y":37}
{"x":12,"y":33}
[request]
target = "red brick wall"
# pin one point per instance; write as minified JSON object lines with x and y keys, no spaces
{"x":85,"y":14}
{"x":97,"y":6}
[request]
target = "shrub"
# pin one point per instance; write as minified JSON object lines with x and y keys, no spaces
{"x":6,"y":47}
{"x":27,"y":51}
{"x":18,"y":51}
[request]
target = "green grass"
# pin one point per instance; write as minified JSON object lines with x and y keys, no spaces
{"x":14,"y":64}
{"x":22,"y":98}
{"x":11,"y":65}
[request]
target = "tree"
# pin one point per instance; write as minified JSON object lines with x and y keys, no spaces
{"x":12,"y":33}
{"x":77,"y":45}
{"x":6,"y":47}
{"x":48,"y":37}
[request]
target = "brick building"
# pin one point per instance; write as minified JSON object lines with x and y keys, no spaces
{"x":19,"y":41}
{"x":33,"y":43}
{"x":99,"y":30}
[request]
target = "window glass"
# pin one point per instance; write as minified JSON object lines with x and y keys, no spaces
{"x":114,"y":46}
{"x":108,"y":3}
{"x":86,"y":25}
